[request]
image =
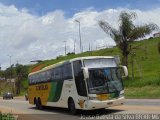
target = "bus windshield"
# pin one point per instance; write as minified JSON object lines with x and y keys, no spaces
{"x":100,"y":62}
{"x":104,"y":80}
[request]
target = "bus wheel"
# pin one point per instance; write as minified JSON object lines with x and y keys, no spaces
{"x":38,"y":104}
{"x":71,"y":106}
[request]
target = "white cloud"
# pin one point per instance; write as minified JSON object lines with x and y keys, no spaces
{"x":27,"y":37}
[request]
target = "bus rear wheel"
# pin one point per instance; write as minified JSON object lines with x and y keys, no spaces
{"x":71,"y":106}
{"x":38,"y":104}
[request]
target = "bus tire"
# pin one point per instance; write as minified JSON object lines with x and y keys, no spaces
{"x":38,"y":104}
{"x":71,"y":106}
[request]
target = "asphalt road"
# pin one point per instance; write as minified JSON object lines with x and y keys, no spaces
{"x":26,"y":111}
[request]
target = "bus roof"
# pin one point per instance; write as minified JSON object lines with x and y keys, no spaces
{"x":71,"y":60}
{"x":90,"y":57}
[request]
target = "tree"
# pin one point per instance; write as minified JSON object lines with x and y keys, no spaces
{"x":70,"y":53}
{"x":22,"y":72}
{"x":10,"y":72}
{"x":2,"y":73}
{"x":127,"y":33}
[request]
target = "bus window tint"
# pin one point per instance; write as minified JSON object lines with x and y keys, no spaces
{"x":57,"y":73}
{"x":37,"y":78}
{"x":30,"y":79}
{"x":40,"y":77}
{"x":48,"y":75}
{"x":79,"y":78}
{"x":43,"y":76}
{"x":52,"y":74}
{"x":67,"y":72}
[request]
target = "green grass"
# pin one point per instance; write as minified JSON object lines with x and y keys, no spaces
{"x":142,"y":92}
{"x":142,"y":82}
{"x":146,"y":82}
{"x":24,"y":88}
{"x":7,"y":116}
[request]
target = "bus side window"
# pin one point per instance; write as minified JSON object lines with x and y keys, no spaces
{"x":52,"y":74}
{"x":34,"y":78}
{"x":48,"y":75}
{"x":58,"y":73}
{"x":67,"y":72}
{"x":45,"y":76}
{"x":30,"y":80}
{"x":79,"y":78}
{"x":40,"y":77}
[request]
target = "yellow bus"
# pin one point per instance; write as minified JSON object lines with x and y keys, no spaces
{"x":83,"y":83}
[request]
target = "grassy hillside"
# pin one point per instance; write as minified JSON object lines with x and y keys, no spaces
{"x":146,"y":83}
{"x":146,"y":67}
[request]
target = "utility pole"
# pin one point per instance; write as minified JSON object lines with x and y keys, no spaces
{"x":90,"y":52}
{"x":12,"y":81}
{"x":91,"y":49}
{"x":79,"y":34}
{"x":10,"y":57}
{"x":65,"y":47}
{"x":74,"y":47}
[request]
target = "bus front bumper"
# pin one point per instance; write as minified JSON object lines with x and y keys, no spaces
{"x":96,"y":104}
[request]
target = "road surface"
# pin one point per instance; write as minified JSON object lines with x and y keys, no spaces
{"x":26,"y":111}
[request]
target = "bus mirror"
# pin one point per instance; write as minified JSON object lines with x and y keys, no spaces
{"x":85,"y":72}
{"x":125,"y":70}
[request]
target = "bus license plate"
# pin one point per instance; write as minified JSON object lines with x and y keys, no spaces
{"x":110,"y":103}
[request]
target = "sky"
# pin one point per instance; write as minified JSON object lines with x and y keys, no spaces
{"x":36,"y":29}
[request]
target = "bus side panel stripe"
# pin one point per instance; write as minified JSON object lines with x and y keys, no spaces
{"x":52,"y":91}
{"x":58,"y":91}
{"x":55,"y":92}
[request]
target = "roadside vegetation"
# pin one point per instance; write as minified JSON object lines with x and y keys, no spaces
{"x":5,"y":116}
{"x":15,"y":79}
